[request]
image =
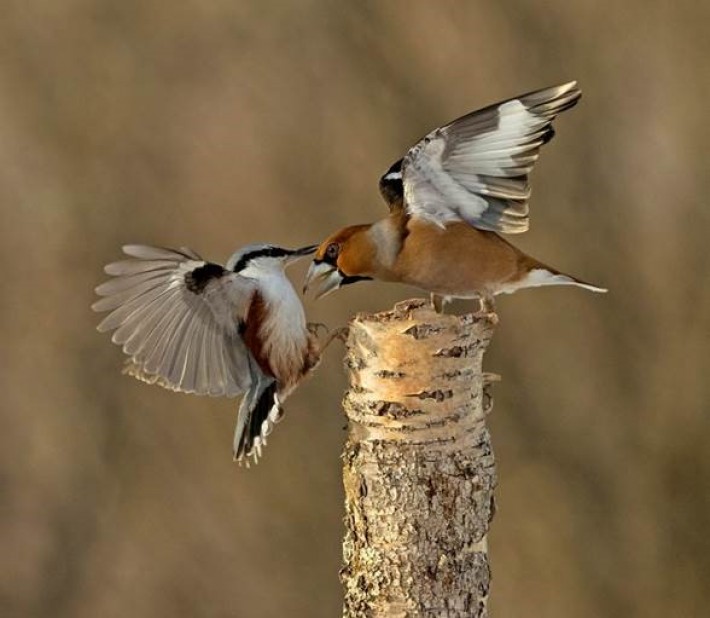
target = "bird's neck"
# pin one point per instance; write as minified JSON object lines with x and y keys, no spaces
{"x":386,"y":238}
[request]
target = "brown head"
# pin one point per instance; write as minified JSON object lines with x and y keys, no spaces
{"x":345,"y":257}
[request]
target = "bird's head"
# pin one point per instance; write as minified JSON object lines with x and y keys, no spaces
{"x":260,"y":259}
{"x":343,"y":258}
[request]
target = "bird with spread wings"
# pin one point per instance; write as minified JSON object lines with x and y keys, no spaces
{"x":450,"y":197}
{"x":193,"y":326}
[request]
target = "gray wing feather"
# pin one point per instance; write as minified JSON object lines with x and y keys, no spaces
{"x":159,"y":339}
{"x":175,"y":365}
{"x":147,"y":252}
{"x":190,"y":253}
{"x":123,"y":283}
{"x":132,"y":267}
{"x":180,"y":337}
{"x":476,"y":168}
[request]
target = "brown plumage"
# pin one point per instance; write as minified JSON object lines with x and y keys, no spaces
{"x":252,"y":334}
{"x":448,"y":198}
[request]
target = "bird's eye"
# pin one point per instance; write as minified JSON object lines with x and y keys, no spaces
{"x":332,"y":250}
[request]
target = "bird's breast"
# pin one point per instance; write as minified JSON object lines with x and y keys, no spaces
{"x":276,"y":333}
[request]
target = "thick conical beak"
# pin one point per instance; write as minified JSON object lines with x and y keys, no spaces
{"x":297,"y":254}
{"x":326,"y":277}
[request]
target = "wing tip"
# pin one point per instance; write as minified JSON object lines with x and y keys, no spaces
{"x":594,"y":288}
{"x":142,"y":251}
{"x":553,"y":100}
{"x":571,"y":87}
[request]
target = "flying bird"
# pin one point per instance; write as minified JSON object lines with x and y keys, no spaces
{"x":449,"y":198}
{"x":193,"y":326}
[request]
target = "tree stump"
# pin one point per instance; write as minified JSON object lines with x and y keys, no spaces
{"x":418,"y":467}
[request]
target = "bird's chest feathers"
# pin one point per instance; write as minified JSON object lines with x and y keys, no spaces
{"x":277,"y":317}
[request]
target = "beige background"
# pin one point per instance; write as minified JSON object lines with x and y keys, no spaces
{"x":215,"y":123}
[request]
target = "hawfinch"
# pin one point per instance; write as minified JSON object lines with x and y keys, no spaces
{"x":449,"y":198}
{"x":196,"y":327}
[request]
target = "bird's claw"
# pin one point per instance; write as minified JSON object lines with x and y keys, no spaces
{"x":341,"y":334}
{"x":489,"y":316}
{"x":313,"y":328}
{"x":487,"y":309}
{"x":439,"y":302}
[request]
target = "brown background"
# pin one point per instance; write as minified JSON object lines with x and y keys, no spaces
{"x":215,"y":123}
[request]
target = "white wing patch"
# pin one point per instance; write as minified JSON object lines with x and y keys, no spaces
{"x":476,"y":168}
{"x":492,"y":153}
{"x":426,"y":182}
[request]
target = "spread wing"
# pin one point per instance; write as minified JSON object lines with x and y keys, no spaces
{"x":177,"y":317}
{"x":476,"y":168}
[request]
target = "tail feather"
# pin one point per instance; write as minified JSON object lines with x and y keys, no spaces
{"x":547,"y":276}
{"x":259,"y":410}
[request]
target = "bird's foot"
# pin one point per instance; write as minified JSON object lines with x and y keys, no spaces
{"x":313,"y":328}
{"x":487,"y":308}
{"x":341,"y":334}
{"x":490,"y":316}
{"x":438,"y":302}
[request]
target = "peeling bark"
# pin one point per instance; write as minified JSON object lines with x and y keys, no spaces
{"x":418,"y":468}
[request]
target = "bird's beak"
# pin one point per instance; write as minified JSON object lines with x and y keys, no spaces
{"x":297,"y":254}
{"x":326,"y":276}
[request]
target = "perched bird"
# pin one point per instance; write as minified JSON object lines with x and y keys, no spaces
{"x":449,"y":197}
{"x":196,"y":327}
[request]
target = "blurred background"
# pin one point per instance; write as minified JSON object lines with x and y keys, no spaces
{"x":214,"y":123}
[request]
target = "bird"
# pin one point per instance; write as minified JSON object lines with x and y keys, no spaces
{"x":450,"y":198}
{"x":193,"y":326}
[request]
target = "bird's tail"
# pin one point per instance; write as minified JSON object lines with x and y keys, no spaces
{"x":259,"y":411}
{"x":545,"y":275}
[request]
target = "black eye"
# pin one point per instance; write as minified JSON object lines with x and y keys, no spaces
{"x":332,"y":250}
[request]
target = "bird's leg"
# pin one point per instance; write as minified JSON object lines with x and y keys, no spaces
{"x":439,"y":302}
{"x":487,"y":307}
{"x":488,"y":303}
{"x":337,"y":333}
{"x":314,"y":326}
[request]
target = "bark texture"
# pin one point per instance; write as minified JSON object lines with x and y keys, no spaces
{"x":418,"y":466}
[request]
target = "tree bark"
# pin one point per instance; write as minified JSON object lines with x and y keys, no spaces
{"x":418,"y":468}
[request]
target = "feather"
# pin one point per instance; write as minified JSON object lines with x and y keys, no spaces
{"x":143,"y":322}
{"x":107,"y":303}
{"x":156,"y":341}
{"x":124,"y":283}
{"x":119,"y":315}
{"x":176,"y":327}
{"x":144,"y":252}
{"x":163,"y":359}
{"x":132,"y":267}
{"x":473,"y":167}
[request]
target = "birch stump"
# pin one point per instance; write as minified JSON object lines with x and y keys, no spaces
{"x":418,"y":467}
